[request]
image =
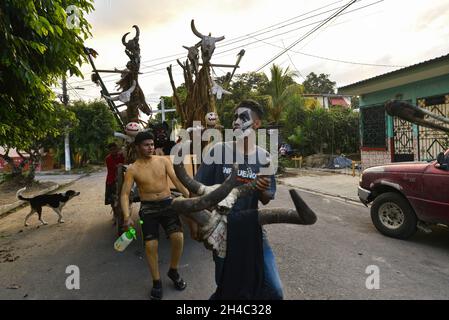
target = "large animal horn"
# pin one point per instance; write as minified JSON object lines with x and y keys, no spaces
{"x":137,"y":32}
{"x":196,"y":32}
{"x":302,"y":215}
{"x":124,"y":39}
{"x":414,"y":114}
{"x":219,"y":38}
{"x":191,"y":184}
{"x":208,"y":200}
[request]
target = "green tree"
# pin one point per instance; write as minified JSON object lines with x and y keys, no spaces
{"x":60,"y":118}
{"x":95,"y":130}
{"x":249,"y":85}
{"x":282,"y":91}
{"x":355,"y":102}
{"x":294,"y":116}
{"x":38,"y":46}
{"x":318,"y":84}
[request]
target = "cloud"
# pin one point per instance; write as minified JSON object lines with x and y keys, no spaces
{"x":112,"y":16}
{"x":435,"y":16}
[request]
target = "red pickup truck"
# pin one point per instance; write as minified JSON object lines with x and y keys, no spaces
{"x":407,"y":195}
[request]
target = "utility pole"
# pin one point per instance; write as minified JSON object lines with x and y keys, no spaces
{"x":65,"y":101}
{"x":163,"y":109}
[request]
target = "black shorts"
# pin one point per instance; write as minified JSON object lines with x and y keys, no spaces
{"x":153,"y":213}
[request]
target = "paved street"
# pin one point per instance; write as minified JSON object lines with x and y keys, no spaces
{"x":323,"y":261}
{"x":58,"y":178}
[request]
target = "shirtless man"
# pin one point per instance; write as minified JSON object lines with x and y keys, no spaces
{"x":151,"y":173}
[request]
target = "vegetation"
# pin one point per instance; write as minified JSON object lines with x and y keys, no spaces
{"x":42,"y":45}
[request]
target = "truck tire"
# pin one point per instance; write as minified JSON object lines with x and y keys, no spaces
{"x":393,"y":216}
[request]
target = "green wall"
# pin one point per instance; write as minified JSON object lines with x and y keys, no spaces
{"x":412,"y":91}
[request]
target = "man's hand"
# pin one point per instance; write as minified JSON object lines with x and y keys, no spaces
{"x":262,"y":183}
{"x":194,"y":229}
{"x":127,"y":223}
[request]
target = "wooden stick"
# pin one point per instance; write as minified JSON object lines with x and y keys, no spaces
{"x":222,"y":65}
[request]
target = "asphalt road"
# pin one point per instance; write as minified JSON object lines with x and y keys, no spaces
{"x":325,"y":261}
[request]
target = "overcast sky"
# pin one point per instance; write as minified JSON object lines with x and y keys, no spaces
{"x":390,"y":32}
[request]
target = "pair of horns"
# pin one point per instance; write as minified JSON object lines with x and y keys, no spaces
{"x":199,"y":35}
{"x":195,"y":208}
{"x":136,"y":37}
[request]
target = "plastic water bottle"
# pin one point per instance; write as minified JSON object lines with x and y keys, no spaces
{"x":125,"y":239}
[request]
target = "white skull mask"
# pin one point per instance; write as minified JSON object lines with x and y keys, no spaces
{"x":243,"y":121}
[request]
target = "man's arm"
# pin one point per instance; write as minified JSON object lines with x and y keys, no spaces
{"x":267,"y":188}
{"x":171,"y":174}
{"x":174,"y":179}
{"x":124,"y":195}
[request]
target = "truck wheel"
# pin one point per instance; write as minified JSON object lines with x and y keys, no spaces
{"x":393,"y":216}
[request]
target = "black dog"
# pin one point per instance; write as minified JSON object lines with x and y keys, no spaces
{"x":55,"y":201}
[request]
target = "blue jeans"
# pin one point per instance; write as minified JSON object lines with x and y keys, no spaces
{"x":272,"y":281}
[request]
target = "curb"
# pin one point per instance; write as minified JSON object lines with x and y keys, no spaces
{"x":330,"y":195}
{"x":316,"y":170}
{"x":5,"y":209}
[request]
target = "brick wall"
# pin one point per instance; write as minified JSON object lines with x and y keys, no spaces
{"x":375,"y":158}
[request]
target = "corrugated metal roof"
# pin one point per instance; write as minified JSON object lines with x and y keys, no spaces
{"x":420,"y":64}
{"x":338,"y":102}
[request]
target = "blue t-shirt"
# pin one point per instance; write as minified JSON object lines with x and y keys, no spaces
{"x":218,"y":167}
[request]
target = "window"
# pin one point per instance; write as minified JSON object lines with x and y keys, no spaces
{"x":373,"y":127}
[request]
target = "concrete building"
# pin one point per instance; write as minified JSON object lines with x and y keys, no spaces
{"x":329,"y":100}
{"x":386,"y":139}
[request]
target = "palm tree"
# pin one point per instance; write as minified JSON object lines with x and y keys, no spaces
{"x":282,"y":90}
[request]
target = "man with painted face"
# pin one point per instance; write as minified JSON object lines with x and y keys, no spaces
{"x":248,"y":270}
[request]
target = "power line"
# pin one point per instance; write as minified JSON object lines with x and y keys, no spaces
{"x":245,"y":46}
{"x":293,"y":64}
{"x":244,"y":37}
{"x":307,"y":34}
{"x":336,"y":60}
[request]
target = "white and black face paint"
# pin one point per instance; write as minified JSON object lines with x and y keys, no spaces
{"x":243,"y":119}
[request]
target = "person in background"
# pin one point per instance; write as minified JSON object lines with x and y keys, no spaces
{"x":113,"y":159}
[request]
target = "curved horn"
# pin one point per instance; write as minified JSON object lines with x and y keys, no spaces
{"x":202,"y":217}
{"x":196,"y":32}
{"x":240,"y":191}
{"x":219,"y":38}
{"x":124,"y":39}
{"x":137,"y":31}
{"x":191,"y":184}
{"x":185,"y":47}
{"x":302,"y":215}
{"x":414,"y":114}
{"x":208,"y":200}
